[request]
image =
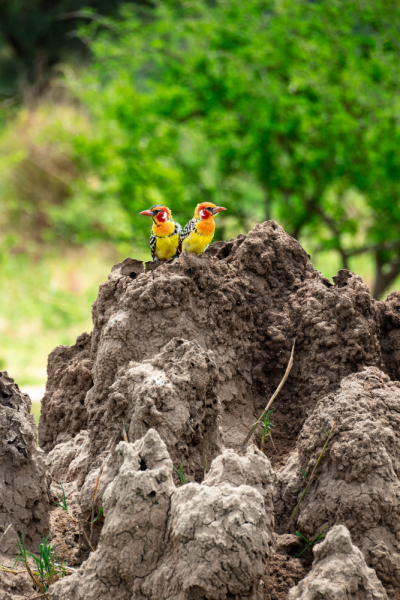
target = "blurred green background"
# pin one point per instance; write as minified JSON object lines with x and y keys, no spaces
{"x":285,"y":109}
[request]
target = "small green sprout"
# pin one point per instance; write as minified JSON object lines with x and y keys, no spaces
{"x":304,"y":475}
{"x":62,"y":503}
{"x":308,"y":544}
{"x":267,"y":429}
{"x":181,"y":475}
{"x":99,"y":515}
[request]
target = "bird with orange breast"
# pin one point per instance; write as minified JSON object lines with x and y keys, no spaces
{"x":199,"y":231}
{"x":164,"y":238}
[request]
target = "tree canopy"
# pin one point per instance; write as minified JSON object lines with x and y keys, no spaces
{"x":286,"y":109}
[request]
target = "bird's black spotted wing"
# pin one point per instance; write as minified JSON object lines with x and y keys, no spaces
{"x":187,"y":230}
{"x":177,"y":231}
{"x":153,"y":242}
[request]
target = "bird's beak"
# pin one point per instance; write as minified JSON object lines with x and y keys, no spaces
{"x":218,"y":209}
{"x":147,"y":213}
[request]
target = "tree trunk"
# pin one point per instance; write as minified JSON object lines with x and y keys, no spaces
{"x":345,"y":260}
{"x":382,"y":279}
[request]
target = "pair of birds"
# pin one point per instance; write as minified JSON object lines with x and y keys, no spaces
{"x":168,"y":239}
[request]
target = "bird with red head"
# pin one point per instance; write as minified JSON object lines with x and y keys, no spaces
{"x":199,"y":231}
{"x":165,"y":232}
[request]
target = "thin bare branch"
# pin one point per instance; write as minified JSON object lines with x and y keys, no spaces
{"x":86,"y":537}
{"x":384,"y":246}
{"x":329,"y":437}
{"x":280,"y":386}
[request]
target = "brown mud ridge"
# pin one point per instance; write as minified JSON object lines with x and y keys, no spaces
{"x":180,"y":363}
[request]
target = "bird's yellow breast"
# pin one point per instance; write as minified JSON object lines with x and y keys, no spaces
{"x":196,"y":243}
{"x":163,"y":229}
{"x":166,"y":247}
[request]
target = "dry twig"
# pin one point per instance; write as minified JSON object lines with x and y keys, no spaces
{"x":329,"y":437}
{"x":9,"y":570}
{"x":280,"y":386}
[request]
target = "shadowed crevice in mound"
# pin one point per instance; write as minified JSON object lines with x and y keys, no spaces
{"x":242,"y":305}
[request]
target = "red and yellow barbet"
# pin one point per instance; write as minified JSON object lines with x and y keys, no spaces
{"x":164,"y":238}
{"x":199,"y":231}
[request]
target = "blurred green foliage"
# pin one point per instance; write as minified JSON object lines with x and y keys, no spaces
{"x":37,"y":173}
{"x":45,"y":300}
{"x":287,"y":109}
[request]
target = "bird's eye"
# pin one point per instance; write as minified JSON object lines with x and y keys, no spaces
{"x":155,"y":212}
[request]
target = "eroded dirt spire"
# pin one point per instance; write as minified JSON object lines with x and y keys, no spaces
{"x":159,"y":542}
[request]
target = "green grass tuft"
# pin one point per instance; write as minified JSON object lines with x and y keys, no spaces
{"x":310,"y":544}
{"x":47,"y":568}
{"x":181,"y":475}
